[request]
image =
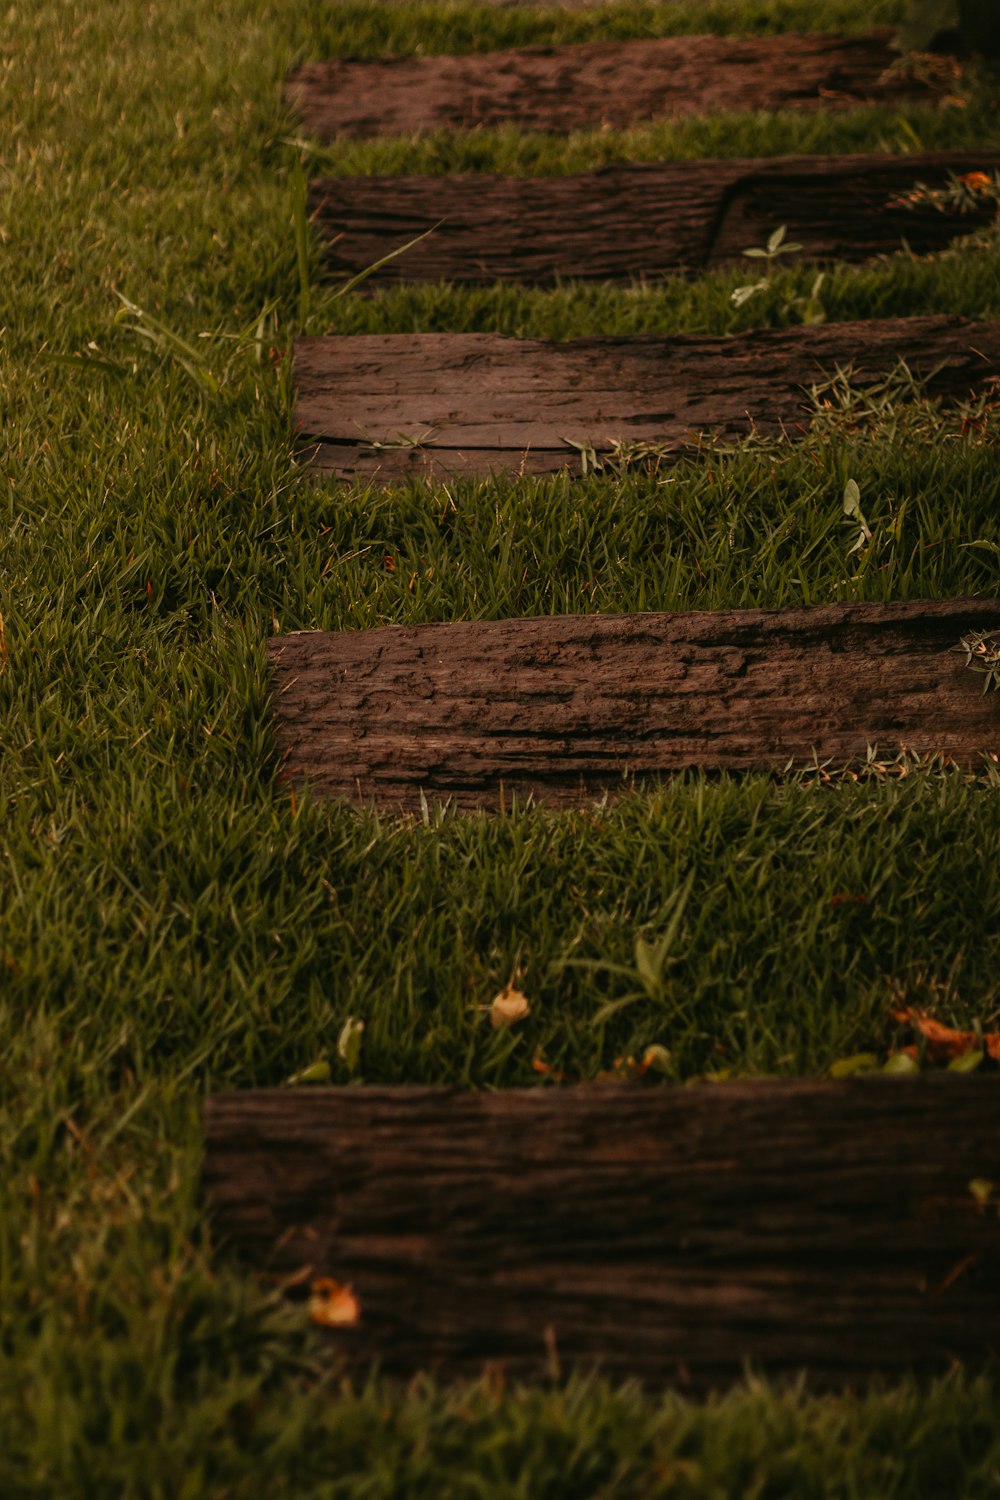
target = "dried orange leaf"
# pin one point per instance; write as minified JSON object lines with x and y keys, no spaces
{"x":332,"y":1305}
{"x":539,"y":1065}
{"x":944,"y":1042}
{"x":509,"y":1007}
{"x":622,"y":1070}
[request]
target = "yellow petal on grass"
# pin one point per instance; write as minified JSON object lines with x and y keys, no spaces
{"x":509,"y":1007}
{"x":332,"y":1305}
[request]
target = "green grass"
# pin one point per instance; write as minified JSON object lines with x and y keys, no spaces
{"x":171,"y":922}
{"x":506,"y":149}
{"x":356,"y":29}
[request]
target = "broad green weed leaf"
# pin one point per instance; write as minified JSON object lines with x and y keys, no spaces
{"x":859,"y":1062}
{"x":902,"y":1063}
{"x":966,"y":1062}
{"x":317,"y":1072}
{"x":852,"y":499}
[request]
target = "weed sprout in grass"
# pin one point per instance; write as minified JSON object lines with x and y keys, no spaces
{"x":805,"y":309}
{"x":982,"y":655}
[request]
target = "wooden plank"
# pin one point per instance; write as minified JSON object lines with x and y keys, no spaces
{"x":423,"y":405}
{"x":621,"y":223}
{"x":555,"y":5}
{"x":666,"y":1233}
{"x":595,"y":84}
{"x":564,"y":708}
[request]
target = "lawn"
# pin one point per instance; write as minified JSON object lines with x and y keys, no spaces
{"x":172,"y":921}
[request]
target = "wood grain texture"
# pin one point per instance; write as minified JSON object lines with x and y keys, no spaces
{"x":667,"y":1233}
{"x":401,"y":406}
{"x":565,"y":708}
{"x":541,"y":4}
{"x":621,"y":223}
{"x":593,"y":84}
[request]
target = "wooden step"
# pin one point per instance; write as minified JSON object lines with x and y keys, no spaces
{"x":403,"y":406}
{"x":565,"y":708}
{"x":596,"y":84}
{"x":668,"y":1233}
{"x":631,"y":222}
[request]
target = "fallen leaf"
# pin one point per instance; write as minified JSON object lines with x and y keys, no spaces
{"x":858,"y":1062}
{"x":657,"y":1059}
{"x":509,"y":1007}
{"x":539,"y":1065}
{"x":900,"y":1062}
{"x":349,"y":1043}
{"x":622,"y":1070}
{"x":944,"y":1042}
{"x":317,"y":1072}
{"x":332,"y":1305}
{"x":966,"y":1062}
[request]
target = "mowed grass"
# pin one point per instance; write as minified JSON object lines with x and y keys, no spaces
{"x":171,"y":921}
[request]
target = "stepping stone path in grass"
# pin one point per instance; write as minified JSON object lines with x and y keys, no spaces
{"x":625,"y":222}
{"x":428,"y":405}
{"x":667,"y":1233}
{"x":563,"y":708}
{"x":596,"y":84}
